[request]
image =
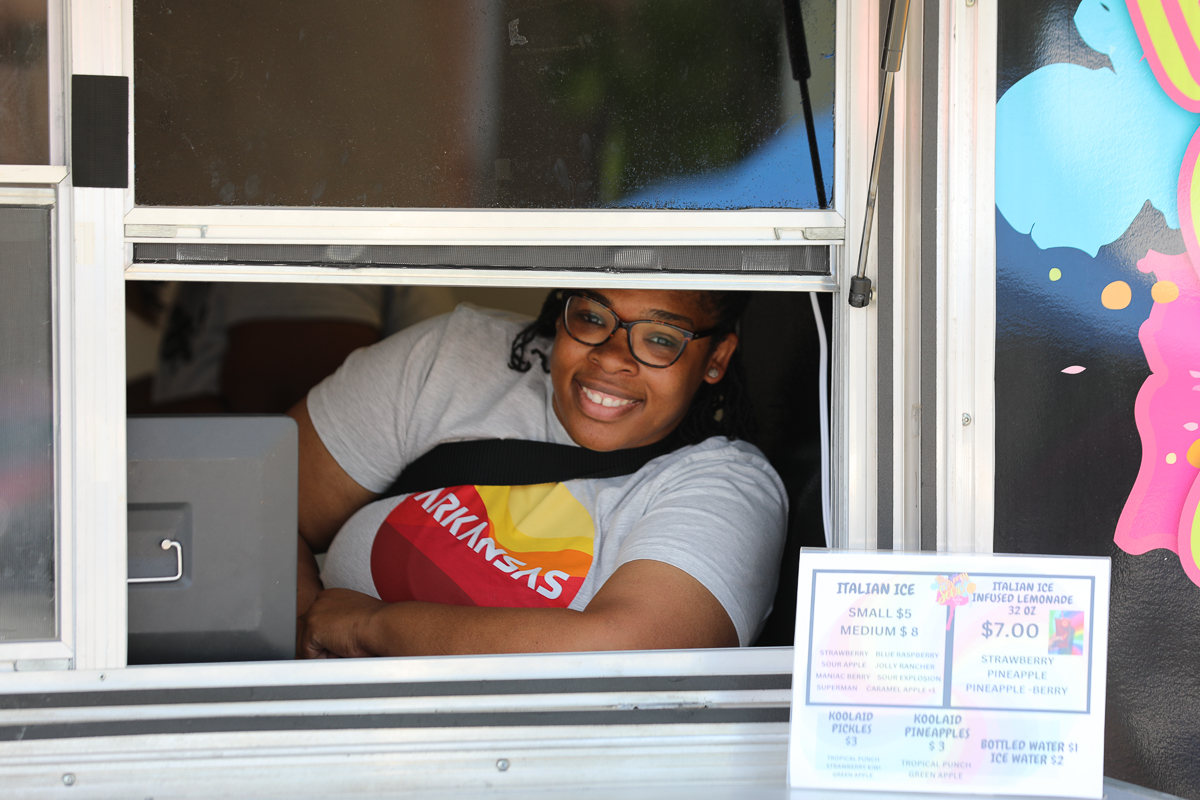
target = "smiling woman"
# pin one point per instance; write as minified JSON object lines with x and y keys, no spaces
{"x":679,"y":550}
{"x":613,"y":395}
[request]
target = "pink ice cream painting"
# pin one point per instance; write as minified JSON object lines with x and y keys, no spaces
{"x":1163,"y":509}
{"x":1167,"y":412}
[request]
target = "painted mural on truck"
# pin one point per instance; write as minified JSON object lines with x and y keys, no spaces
{"x":1082,"y":155}
{"x":1167,"y":407}
{"x":1098,"y":339}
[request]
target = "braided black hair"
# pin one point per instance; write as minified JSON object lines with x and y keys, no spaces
{"x":717,"y":409}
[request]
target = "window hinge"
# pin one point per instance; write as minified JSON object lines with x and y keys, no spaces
{"x":811,"y":234}
{"x":35,"y":664}
{"x":165,"y":231}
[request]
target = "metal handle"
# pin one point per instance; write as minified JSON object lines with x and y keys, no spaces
{"x":166,"y":544}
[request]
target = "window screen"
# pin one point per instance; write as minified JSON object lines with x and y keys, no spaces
{"x":24,"y":83}
{"x":27,"y":589}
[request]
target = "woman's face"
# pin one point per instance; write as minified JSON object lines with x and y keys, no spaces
{"x":606,"y":399}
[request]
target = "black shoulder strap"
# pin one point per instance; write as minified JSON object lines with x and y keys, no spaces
{"x":519,"y":462}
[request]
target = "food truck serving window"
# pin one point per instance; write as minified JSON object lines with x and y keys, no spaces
{"x":521,"y":144}
{"x":643,"y":143}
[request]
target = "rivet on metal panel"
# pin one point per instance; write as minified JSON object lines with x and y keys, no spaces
{"x":502,"y":764}
{"x":966,"y":420}
{"x":69,"y":779}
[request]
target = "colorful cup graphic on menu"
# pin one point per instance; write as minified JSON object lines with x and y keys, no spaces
{"x":1066,"y":633}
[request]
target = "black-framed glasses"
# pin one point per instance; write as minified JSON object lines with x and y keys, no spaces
{"x":655,"y":344}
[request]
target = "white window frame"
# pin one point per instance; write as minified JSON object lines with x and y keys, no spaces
{"x":967,"y":277}
{"x":47,"y":186}
{"x":101,"y":43}
{"x":769,"y":227}
{"x":50,"y":185}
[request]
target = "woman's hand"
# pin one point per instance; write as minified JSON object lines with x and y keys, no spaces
{"x":336,"y":624}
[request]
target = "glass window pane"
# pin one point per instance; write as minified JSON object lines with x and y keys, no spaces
{"x":27,"y":592}
{"x":480,"y":103}
{"x":24,"y":83}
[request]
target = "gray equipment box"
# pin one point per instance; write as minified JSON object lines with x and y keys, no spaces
{"x":212,"y":538}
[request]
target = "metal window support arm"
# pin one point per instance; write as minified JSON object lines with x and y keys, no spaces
{"x":797,"y":44}
{"x":893,"y":49}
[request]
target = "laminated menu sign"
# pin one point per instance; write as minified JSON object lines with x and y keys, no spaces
{"x":954,"y":673}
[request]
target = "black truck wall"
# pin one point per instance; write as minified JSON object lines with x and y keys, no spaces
{"x":1098,"y":346}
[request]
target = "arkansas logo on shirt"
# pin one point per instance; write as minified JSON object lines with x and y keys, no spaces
{"x":499,"y":546}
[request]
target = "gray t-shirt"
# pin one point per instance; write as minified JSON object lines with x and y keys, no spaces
{"x":715,"y":510}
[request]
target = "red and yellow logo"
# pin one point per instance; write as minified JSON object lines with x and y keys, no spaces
{"x":498,"y":546}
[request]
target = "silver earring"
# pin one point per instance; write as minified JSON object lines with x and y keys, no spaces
{"x":714,"y":373}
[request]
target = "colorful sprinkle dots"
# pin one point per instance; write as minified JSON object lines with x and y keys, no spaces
{"x":1193,"y":454}
{"x":1164,"y":292}
{"x":1116,"y":295}
{"x":1055,"y":274}
{"x":1074,"y":370}
{"x":1170,"y":458}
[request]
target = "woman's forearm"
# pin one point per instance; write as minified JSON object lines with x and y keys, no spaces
{"x":407,"y":629}
{"x":350,"y":624}
{"x":644,"y":605}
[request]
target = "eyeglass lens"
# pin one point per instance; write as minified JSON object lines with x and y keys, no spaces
{"x":652,"y":343}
